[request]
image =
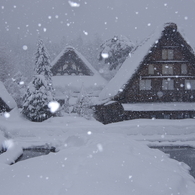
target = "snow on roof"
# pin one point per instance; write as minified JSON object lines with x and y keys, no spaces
{"x":129,"y":67}
{"x":6,"y":97}
{"x":70,"y":48}
{"x":75,"y":82}
{"x":160,"y":106}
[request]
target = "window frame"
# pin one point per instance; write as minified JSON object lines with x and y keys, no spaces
{"x":167,"y":54}
{"x":167,"y":84}
{"x":145,"y":84}
{"x":167,"y":71}
{"x":192,"y":84}
{"x":184,"y":69}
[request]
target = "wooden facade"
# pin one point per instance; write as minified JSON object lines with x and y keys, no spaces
{"x":4,"y":107}
{"x":166,"y":74}
{"x":69,"y":63}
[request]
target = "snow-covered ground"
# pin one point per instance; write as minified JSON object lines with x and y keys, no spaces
{"x":93,"y":158}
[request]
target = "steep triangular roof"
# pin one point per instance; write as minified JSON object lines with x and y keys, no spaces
{"x":133,"y":62}
{"x":91,"y":81}
{"x":77,"y":55}
{"x":6,"y":97}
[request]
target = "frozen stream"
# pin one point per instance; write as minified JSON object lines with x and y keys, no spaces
{"x":181,"y":154}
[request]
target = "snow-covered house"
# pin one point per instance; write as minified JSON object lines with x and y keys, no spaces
{"x":72,"y":72}
{"x":161,"y":70}
{"x":7,"y":103}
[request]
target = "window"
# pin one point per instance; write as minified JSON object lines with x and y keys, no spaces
{"x":167,"y":54}
{"x":167,"y":69}
{"x":167,"y":84}
{"x":151,"y":69}
{"x":145,"y":85}
{"x":183,"y":69}
{"x":190,"y":84}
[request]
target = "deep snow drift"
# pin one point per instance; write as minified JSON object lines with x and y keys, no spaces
{"x":92,"y":159}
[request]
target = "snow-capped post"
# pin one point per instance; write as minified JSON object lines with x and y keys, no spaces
{"x":40,"y":93}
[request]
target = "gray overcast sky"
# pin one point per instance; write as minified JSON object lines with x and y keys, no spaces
{"x":135,"y":19}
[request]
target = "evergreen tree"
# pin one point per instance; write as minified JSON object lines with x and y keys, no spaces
{"x":42,"y":64}
{"x":114,"y":51}
{"x":40,"y":91}
{"x":36,"y":100}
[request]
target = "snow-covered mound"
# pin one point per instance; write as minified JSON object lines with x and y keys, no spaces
{"x":98,"y":164}
{"x":92,"y":158}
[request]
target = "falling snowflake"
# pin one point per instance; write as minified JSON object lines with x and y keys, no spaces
{"x":54,"y":106}
{"x":86,"y":33}
{"x":6,"y":115}
{"x":14,"y":6}
{"x":100,"y":147}
{"x":21,"y":83}
{"x":44,"y":29}
{"x":39,"y":25}
{"x":49,"y":17}
{"x":188,"y":86}
{"x":2,"y":7}
{"x":73,"y":4}
{"x":24,"y":47}
{"x":165,"y":4}
{"x":136,"y":12}
{"x":105,"y":55}
{"x":149,"y":24}
{"x":185,"y":17}
{"x":56,"y":16}
{"x":89,"y":133}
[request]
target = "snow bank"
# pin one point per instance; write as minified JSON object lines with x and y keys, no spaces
{"x":98,"y":164}
{"x":13,"y":152}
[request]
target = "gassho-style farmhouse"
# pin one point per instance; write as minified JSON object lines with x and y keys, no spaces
{"x":156,"y":81}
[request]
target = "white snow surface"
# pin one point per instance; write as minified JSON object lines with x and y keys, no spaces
{"x":162,"y":106}
{"x":6,"y":97}
{"x":93,"y":158}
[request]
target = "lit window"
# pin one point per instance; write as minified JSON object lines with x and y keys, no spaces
{"x":167,"y":54}
{"x":190,"y":84}
{"x":151,"y":69}
{"x":167,"y":84}
{"x":183,"y":69}
{"x":167,"y":69}
{"x":145,"y":85}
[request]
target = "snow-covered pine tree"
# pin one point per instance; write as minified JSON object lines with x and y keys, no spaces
{"x":40,"y":91}
{"x":42,"y":64}
{"x":83,"y":105}
{"x":36,"y":100}
{"x":113,"y":53}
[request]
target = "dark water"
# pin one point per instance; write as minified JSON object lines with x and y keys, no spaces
{"x":34,"y":152}
{"x":181,"y":154}
{"x":31,"y":154}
